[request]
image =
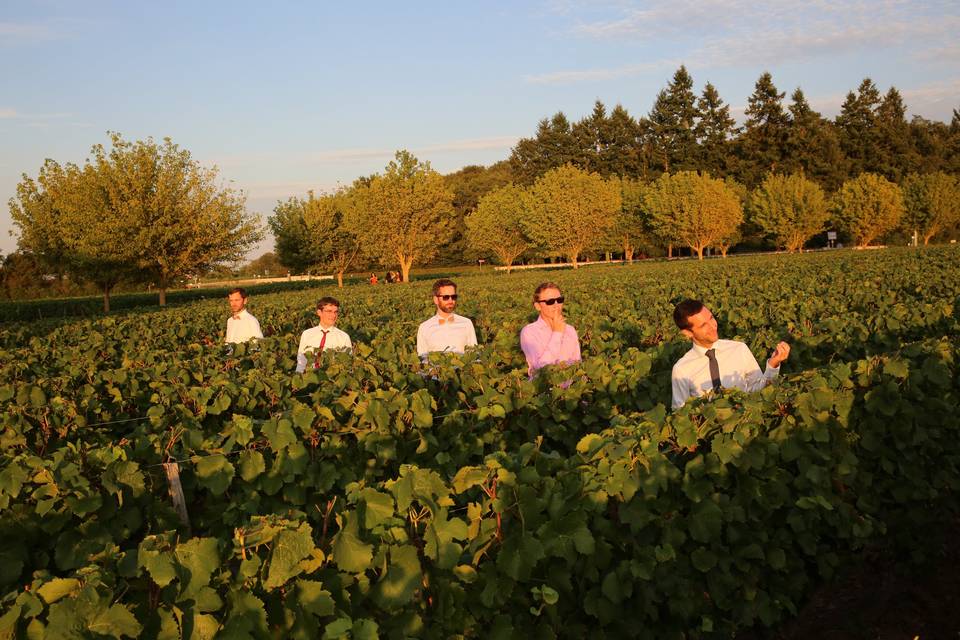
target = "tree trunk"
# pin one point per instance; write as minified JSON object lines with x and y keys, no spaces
{"x":340,"y":279}
{"x":628,"y":254}
{"x":926,"y":239}
{"x":723,"y":251}
{"x":106,"y":298}
{"x":699,"y":251}
{"x":573,"y":261}
{"x":405,"y":264}
{"x":669,"y":251}
{"x":163,"y":296}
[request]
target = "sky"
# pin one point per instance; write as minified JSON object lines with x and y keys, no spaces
{"x":286,"y":97}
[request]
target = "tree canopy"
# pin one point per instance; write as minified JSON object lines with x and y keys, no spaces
{"x":790,"y":209}
{"x":496,"y":225}
{"x":868,"y":207}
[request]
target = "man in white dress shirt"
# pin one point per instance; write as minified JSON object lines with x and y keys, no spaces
{"x":712,"y":363}
{"x":323,"y":336}
{"x":445,"y":331}
{"x":241,"y":326}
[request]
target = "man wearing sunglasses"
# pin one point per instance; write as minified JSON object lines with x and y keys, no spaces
{"x":549,"y":340}
{"x":323,"y":336}
{"x":445,"y":331}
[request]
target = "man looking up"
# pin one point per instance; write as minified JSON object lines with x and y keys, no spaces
{"x":712,"y":363}
{"x":241,"y":326}
{"x":549,"y":340}
{"x":323,"y":336}
{"x":445,"y":331}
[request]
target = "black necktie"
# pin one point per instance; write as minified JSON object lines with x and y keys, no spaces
{"x":714,"y":369}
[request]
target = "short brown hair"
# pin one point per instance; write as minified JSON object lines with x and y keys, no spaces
{"x":543,"y":286}
{"x":240,"y":290}
{"x":441,"y":283}
{"x":324,"y":301}
{"x":683,"y":311}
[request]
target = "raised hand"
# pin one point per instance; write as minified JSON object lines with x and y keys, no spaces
{"x":780,"y":353}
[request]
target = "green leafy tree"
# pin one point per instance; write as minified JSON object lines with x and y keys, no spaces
{"x":790,"y":209}
{"x":714,"y":129}
{"x":630,"y":231}
{"x":671,"y":124}
{"x":335,"y":245}
{"x":293,"y":244}
{"x":763,"y":140}
{"x":932,"y":202}
{"x":495,"y":226}
{"x":693,"y":209}
{"x":177,"y":217}
{"x":868,"y":207}
{"x":403,"y":216}
{"x":63,"y":221}
{"x":894,"y":154}
{"x":468,"y":185}
{"x":571,"y":211}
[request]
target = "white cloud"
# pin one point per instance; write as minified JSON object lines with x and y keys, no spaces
{"x":8,"y":113}
{"x":19,"y":32}
{"x":591,"y":75}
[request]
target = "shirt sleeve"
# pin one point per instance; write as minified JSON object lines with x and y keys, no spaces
{"x":301,"y":357}
{"x":471,"y":335}
{"x":680,"y":390}
{"x":576,"y":344}
{"x":255,"y":328}
{"x":753,"y":378}
{"x":422,"y":348}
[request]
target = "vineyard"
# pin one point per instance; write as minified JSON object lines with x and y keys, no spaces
{"x":378,"y":497}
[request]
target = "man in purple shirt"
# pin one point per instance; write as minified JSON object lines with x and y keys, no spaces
{"x":549,"y":340}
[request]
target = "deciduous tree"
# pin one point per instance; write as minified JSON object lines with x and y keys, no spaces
{"x":693,"y":209}
{"x":932,"y":203}
{"x":495,"y":226}
{"x":868,"y":207}
{"x":402,"y":216}
{"x":571,"y":211}
{"x":790,"y":209}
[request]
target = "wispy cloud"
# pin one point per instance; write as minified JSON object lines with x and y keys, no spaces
{"x":723,"y":33}
{"x":591,"y":75}
{"x":8,"y":113}
{"x":22,"y":32}
{"x":364,"y":156}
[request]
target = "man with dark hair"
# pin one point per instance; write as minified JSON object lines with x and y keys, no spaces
{"x":712,"y":363}
{"x":549,"y":340}
{"x":323,"y":336}
{"x":241,"y":326}
{"x":445,"y":331}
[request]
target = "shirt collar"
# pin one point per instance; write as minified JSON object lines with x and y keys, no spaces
{"x":703,"y":350}
{"x":240,"y":314}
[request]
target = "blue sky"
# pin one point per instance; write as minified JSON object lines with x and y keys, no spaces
{"x":289,"y":96}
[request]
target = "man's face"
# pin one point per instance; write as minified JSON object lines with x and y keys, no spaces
{"x":328,"y":315}
{"x":445,"y":299}
{"x":703,"y":328}
{"x":237,"y":302}
{"x":554,"y":310}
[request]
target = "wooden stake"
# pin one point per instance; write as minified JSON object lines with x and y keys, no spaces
{"x":176,"y":491}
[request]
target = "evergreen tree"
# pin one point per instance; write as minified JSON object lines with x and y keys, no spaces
{"x":857,"y":124}
{"x":553,"y":146}
{"x":812,"y":146}
{"x":624,"y":152}
{"x":671,"y":125}
{"x":592,"y":135}
{"x":894,"y":159}
{"x":763,"y":141}
{"x":714,"y":128}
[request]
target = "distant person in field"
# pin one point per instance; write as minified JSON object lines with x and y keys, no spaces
{"x":241,"y":326}
{"x":373,"y":278}
{"x":712,"y":364}
{"x":323,"y":336}
{"x":445,"y":331}
{"x":549,"y":339}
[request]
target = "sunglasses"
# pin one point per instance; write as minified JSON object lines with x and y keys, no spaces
{"x":451,"y":296}
{"x":551,"y":301}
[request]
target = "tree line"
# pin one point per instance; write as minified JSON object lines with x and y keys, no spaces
{"x":684,"y":175}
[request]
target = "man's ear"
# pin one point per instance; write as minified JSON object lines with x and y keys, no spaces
{"x":687,"y":333}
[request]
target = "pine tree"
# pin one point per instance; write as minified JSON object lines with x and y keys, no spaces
{"x":812,"y":146}
{"x":857,"y":124}
{"x":763,"y":141}
{"x":671,"y":125}
{"x":714,"y":128}
{"x":894,"y":159}
{"x":553,"y":146}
